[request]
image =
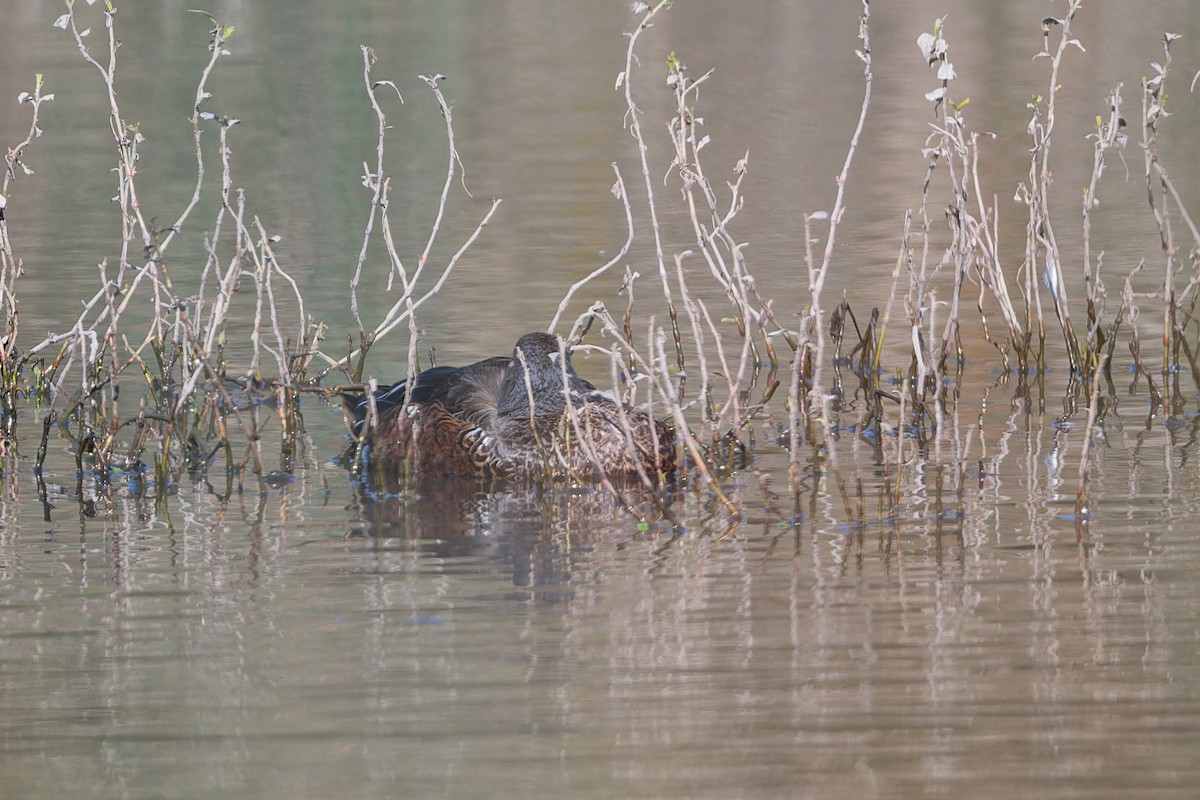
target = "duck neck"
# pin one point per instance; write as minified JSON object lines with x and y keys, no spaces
{"x":548,"y":401}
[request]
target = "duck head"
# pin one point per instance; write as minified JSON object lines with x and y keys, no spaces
{"x":536,"y":366}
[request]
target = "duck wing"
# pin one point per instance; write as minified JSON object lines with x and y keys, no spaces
{"x":462,"y":391}
{"x":474,"y":393}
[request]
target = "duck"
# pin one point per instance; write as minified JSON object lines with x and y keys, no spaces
{"x":510,"y":418}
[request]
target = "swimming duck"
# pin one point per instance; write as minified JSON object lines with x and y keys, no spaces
{"x":508,"y":417}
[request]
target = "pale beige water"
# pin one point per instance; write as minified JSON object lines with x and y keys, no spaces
{"x":308,"y":645}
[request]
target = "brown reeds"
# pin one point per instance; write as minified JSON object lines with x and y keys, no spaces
{"x":178,"y":351}
{"x":128,"y":386}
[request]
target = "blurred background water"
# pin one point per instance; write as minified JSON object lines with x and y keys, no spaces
{"x":309,"y":644}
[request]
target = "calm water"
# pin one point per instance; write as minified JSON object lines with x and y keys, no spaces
{"x":310,"y":644}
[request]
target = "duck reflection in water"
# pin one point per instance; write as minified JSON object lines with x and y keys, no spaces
{"x":539,"y":540}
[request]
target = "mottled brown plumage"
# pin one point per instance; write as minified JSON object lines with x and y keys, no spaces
{"x":478,"y":422}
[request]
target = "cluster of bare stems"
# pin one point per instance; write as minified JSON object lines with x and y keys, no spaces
{"x":714,"y":382}
{"x":176,"y":348}
{"x":714,"y":374}
{"x":728,"y":363}
{"x":191,"y":396}
{"x":1044,"y":276}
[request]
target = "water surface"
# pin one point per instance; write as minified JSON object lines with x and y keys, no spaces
{"x":823,"y":642}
